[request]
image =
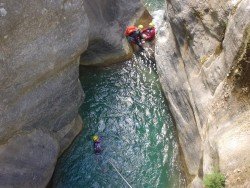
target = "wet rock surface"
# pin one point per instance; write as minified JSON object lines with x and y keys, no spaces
{"x":202,"y":55}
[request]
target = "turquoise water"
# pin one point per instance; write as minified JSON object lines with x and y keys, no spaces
{"x":124,"y":104}
{"x":154,"y":4}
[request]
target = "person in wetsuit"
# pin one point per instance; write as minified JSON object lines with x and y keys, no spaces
{"x":149,"y":33}
{"x":97,"y":144}
{"x":133,"y":35}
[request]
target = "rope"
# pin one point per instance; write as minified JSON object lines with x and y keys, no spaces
{"x":120,"y":174}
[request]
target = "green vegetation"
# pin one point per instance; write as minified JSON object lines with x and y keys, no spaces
{"x":214,"y":180}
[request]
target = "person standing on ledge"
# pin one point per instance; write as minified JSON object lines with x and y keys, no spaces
{"x":149,"y":33}
{"x":133,"y":35}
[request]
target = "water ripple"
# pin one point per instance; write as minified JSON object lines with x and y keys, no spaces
{"x":124,"y":104}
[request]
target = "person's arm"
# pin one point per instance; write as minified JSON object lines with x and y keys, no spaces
{"x":140,"y":34}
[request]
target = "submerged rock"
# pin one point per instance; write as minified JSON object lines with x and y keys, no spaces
{"x":198,"y":49}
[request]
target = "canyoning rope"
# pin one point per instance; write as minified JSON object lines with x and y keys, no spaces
{"x":120,"y":174}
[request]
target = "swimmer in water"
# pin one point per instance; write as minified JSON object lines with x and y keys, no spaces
{"x":97,"y":144}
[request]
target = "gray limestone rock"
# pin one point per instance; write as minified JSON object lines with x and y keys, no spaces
{"x":202,"y":55}
{"x":108,"y":21}
{"x":40,"y":44}
{"x":40,"y":47}
{"x":173,"y":78}
{"x":28,"y":159}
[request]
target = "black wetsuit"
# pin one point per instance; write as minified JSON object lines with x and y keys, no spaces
{"x":97,"y":147}
{"x":136,"y":37}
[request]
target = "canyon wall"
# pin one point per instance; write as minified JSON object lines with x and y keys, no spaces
{"x":202,"y":55}
{"x":40,"y":47}
{"x":108,"y":20}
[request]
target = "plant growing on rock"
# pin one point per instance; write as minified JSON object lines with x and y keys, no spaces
{"x":214,"y":180}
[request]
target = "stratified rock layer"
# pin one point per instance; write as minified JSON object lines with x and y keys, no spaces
{"x":202,"y":55}
{"x":40,"y":47}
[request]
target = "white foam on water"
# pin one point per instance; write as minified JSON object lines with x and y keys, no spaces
{"x":3,"y":12}
{"x":234,"y":2}
{"x":158,"y":17}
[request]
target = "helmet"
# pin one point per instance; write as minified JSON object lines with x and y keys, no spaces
{"x":95,"y":138}
{"x":140,"y":27}
{"x":151,"y":24}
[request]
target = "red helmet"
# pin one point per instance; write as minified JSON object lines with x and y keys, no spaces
{"x":130,"y":29}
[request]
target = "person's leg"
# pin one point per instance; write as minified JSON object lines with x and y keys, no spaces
{"x":138,"y":42}
{"x":135,"y":39}
{"x":130,"y":39}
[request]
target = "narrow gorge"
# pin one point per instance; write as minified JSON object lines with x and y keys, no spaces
{"x":202,"y":54}
{"x":168,"y":117}
{"x":125,"y":106}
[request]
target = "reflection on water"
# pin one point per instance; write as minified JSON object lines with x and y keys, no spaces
{"x":153,"y":5}
{"x":124,"y":104}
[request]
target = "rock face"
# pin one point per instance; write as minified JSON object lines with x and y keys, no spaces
{"x":40,"y":47}
{"x":108,"y":21}
{"x":202,"y":54}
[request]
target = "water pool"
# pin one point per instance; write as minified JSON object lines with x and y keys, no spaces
{"x":125,"y":105}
